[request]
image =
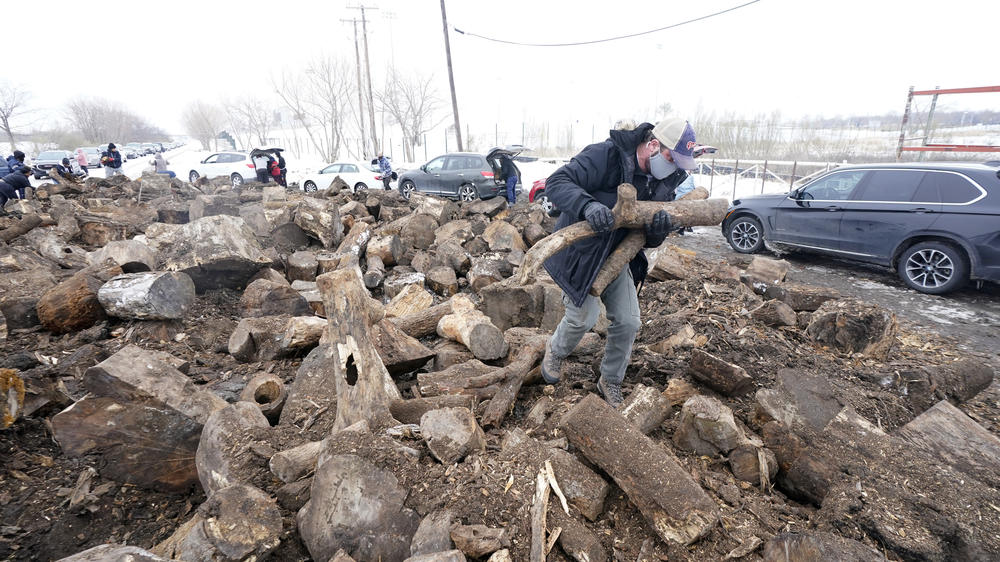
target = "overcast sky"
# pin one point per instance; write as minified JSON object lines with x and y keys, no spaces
{"x":799,"y":57}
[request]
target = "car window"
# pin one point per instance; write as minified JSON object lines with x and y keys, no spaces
{"x":890,"y":185}
{"x":349,"y":169}
{"x":834,"y":187}
{"x":331,"y":169}
{"x":945,"y":187}
{"x":436,"y":165}
{"x":230,"y":158}
{"x":212,"y":159}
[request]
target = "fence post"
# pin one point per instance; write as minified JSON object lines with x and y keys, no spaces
{"x":736,"y":173}
{"x":763,"y":177}
{"x":711,"y":178}
{"x":791,"y":180}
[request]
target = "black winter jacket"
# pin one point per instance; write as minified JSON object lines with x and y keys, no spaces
{"x":16,"y":180}
{"x":594,"y":175}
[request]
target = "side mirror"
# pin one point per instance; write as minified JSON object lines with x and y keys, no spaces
{"x":423,"y":168}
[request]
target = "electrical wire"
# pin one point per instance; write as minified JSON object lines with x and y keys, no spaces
{"x":629,"y":36}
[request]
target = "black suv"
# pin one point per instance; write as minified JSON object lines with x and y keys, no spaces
{"x":461,"y":175}
{"x":936,"y":224}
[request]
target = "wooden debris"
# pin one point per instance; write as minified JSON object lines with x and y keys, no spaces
{"x":719,"y":375}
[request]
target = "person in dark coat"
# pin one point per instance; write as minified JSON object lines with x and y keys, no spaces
{"x":112,"y":160}
{"x":654,"y":160}
{"x":14,"y":162}
{"x":13,"y":184}
{"x":508,"y":173}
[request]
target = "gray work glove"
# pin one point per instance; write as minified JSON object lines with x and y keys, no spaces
{"x":599,"y":216}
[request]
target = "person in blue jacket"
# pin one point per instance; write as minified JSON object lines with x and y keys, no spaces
{"x":385,"y":169}
{"x":14,"y":162}
{"x":652,"y":158}
{"x":13,"y":185}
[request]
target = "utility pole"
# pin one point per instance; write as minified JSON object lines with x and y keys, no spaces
{"x":451,"y":79}
{"x":361,"y":104}
{"x":368,"y":69}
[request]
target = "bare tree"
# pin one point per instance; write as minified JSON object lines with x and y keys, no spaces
{"x":13,"y":99}
{"x":250,"y":117}
{"x":413,"y":104}
{"x":318,"y":98}
{"x":204,"y":122}
{"x":101,"y":120}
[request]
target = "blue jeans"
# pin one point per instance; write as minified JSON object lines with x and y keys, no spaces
{"x":168,"y":173}
{"x":511,"y":184}
{"x":622,"y":305}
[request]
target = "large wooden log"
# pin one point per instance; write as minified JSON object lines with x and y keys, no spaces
{"x":946,"y":434}
{"x":616,"y":262}
{"x":400,"y":352}
{"x":472,"y":328}
{"x":291,"y":464}
{"x":375,"y":271}
{"x":148,"y":296}
{"x":719,"y":375}
{"x":72,"y":305}
{"x":423,"y":323}
{"x":462,"y":378}
{"x":410,"y":411}
{"x":364,"y":387}
{"x":22,"y":226}
{"x":515,"y":375}
{"x":389,"y":248}
{"x":628,"y":213}
{"x":302,"y":332}
{"x":264,"y":297}
{"x":672,"y":502}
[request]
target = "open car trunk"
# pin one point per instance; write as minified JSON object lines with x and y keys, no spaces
{"x":493,"y":157}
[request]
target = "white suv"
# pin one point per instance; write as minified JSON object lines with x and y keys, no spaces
{"x":237,"y":166}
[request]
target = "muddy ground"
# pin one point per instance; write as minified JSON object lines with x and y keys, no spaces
{"x":494,"y":488}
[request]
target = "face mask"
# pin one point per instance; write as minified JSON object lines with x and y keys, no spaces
{"x":660,"y":167}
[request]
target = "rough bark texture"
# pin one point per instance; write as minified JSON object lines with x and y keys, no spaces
{"x":671,"y":501}
{"x":628,"y":213}
{"x":71,"y":305}
{"x":148,"y":296}
{"x":423,"y":323}
{"x":721,"y":376}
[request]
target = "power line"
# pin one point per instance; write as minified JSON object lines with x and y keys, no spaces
{"x":629,"y":36}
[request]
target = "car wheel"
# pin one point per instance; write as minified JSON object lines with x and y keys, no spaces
{"x":309,"y":186}
{"x":406,"y":188}
{"x":467,"y":192}
{"x":933,"y":267}
{"x":745,"y":235}
{"x":236,"y":179}
{"x":360,"y":186}
{"x":193,"y":176}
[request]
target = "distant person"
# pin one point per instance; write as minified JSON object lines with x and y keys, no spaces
{"x":112,"y":160}
{"x":15,"y":161}
{"x":76,"y":169}
{"x":81,"y":158}
{"x":13,"y":185}
{"x":160,"y":165}
{"x":508,"y":173}
{"x":385,"y":169}
{"x":260,"y":166}
{"x":284,"y":170}
{"x":274,"y":169}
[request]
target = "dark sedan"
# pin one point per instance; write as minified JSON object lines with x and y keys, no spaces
{"x":48,"y":160}
{"x":936,"y":224}
{"x":459,"y":175}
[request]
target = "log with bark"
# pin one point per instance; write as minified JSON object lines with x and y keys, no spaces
{"x":375,"y":272}
{"x":719,"y":375}
{"x":22,"y":226}
{"x":628,"y":213}
{"x":410,"y":411}
{"x":148,"y":296}
{"x":515,"y":375}
{"x":671,"y":501}
{"x":473,"y":329}
{"x":364,"y":387}
{"x":469,"y":377}
{"x":72,"y":305}
{"x":423,"y":323}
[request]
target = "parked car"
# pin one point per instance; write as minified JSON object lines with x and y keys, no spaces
{"x":459,"y":175}
{"x":237,"y":166}
{"x":93,"y":155}
{"x":357,"y":175}
{"x":936,"y":224}
{"x":46,"y":160}
{"x":148,"y":148}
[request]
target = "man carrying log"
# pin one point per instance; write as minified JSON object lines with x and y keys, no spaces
{"x":653,"y":159}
